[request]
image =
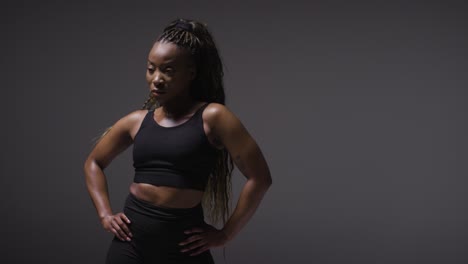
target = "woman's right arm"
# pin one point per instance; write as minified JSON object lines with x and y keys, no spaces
{"x":117,"y":139}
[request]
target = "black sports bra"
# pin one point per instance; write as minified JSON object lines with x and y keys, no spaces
{"x":178,"y":156}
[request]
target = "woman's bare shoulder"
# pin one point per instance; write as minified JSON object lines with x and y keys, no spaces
{"x":129,"y":121}
{"x":216,"y":110}
{"x":218,"y":115}
{"x":134,"y":119}
{"x":136,"y":115}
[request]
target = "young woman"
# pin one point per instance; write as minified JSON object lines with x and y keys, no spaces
{"x":185,"y":143}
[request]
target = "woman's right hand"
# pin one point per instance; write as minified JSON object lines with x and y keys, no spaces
{"x":117,"y":224}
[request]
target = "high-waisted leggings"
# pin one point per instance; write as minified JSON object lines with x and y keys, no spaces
{"x":157,"y":231}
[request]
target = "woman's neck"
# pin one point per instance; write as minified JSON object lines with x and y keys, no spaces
{"x":178,"y":107}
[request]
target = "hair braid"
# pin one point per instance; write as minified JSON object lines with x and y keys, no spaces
{"x":207,"y":86}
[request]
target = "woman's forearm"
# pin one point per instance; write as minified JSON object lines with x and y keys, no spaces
{"x":97,"y":187}
{"x":249,"y":199}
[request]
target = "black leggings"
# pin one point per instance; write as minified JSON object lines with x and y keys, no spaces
{"x":156,"y":233}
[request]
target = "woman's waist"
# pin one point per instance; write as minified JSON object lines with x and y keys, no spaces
{"x":167,"y":196}
{"x":172,"y":180}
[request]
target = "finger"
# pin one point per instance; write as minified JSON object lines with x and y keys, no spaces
{"x":191,"y":239}
{"x":194,"y":246}
{"x":124,"y":228}
{"x":116,"y":233}
{"x":125,"y":218}
{"x":199,"y":251}
{"x":194,"y":230}
{"x":121,"y":233}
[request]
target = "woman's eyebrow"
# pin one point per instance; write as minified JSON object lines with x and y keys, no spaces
{"x":169,"y":62}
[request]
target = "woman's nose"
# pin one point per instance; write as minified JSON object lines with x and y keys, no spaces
{"x":157,"y":78}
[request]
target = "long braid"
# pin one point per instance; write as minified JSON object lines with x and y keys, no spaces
{"x":207,"y":86}
{"x":148,"y":103}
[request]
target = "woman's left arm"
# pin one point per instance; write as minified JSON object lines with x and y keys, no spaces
{"x":247,"y":156}
{"x":249,"y":159}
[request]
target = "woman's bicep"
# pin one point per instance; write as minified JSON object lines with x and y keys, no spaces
{"x":114,"y":142}
{"x":242,"y":147}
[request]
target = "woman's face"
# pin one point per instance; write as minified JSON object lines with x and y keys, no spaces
{"x":169,"y":71}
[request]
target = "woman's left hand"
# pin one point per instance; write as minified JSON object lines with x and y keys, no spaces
{"x":207,"y":237}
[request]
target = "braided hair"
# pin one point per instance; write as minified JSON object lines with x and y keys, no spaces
{"x":207,"y":86}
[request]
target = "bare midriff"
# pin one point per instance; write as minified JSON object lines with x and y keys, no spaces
{"x":166,"y":196}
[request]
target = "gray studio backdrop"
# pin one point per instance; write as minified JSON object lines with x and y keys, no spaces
{"x":360,"y":110}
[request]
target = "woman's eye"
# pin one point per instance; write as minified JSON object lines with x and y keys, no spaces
{"x":150,"y":69}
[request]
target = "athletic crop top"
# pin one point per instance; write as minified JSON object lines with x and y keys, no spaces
{"x":178,"y":156}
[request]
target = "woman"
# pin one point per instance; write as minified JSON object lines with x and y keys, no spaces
{"x":185,"y":142}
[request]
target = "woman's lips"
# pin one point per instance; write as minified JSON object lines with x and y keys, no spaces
{"x":158,"y":91}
